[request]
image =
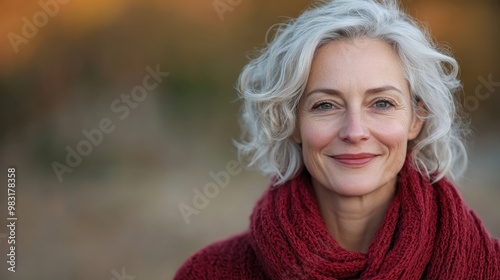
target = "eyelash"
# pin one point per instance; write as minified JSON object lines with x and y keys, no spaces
{"x":317,"y":105}
{"x":390,"y":104}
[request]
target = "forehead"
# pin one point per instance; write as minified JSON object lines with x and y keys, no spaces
{"x":362,"y":61}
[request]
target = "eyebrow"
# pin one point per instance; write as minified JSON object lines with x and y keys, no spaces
{"x":371,"y":90}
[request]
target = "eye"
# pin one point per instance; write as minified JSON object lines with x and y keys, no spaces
{"x":323,"y":106}
{"x":383,"y":104}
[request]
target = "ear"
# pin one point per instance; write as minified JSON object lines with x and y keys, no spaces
{"x":417,"y":120}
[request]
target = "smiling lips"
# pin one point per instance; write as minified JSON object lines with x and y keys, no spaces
{"x":354,"y":160}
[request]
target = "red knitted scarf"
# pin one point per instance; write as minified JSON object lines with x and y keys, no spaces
{"x":427,"y":233}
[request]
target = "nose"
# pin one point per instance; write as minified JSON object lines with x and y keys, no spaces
{"x":353,"y":128}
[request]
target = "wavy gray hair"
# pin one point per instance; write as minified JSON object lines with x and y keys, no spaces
{"x":271,"y":86}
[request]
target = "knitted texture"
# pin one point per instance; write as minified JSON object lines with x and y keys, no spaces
{"x":427,"y":233}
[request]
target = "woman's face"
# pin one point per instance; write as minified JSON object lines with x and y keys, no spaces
{"x":355,"y":117}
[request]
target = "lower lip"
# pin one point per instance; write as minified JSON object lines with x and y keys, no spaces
{"x":355,"y":162}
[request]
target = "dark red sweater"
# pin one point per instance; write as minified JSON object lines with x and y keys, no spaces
{"x":232,"y":258}
{"x":427,"y":233}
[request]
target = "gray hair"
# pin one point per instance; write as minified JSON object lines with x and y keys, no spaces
{"x":272,"y":83}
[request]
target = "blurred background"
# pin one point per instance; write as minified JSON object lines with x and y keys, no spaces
{"x":63,"y":69}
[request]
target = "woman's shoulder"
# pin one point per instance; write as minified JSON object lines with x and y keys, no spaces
{"x":232,"y":258}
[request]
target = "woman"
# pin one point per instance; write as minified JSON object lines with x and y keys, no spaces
{"x":350,"y":108}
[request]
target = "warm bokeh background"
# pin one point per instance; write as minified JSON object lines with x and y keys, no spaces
{"x":119,"y":207}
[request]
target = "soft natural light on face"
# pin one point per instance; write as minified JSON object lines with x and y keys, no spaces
{"x":356,"y":104}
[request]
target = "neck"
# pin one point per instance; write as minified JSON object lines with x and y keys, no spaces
{"x":353,"y":221}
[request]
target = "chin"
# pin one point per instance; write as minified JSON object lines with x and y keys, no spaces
{"x":353,"y":188}
{"x":359,"y":184}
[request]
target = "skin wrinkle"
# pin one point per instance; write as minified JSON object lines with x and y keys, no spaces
{"x":337,"y":115}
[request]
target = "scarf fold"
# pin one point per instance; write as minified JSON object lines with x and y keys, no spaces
{"x":427,"y":233}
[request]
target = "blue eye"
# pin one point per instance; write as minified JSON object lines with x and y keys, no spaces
{"x":323,"y":106}
{"x":382,"y":104}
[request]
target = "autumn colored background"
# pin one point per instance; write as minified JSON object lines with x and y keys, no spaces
{"x":118,"y":210}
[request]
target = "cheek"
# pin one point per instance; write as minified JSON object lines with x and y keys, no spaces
{"x":393,"y":134}
{"x":317,"y":135}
